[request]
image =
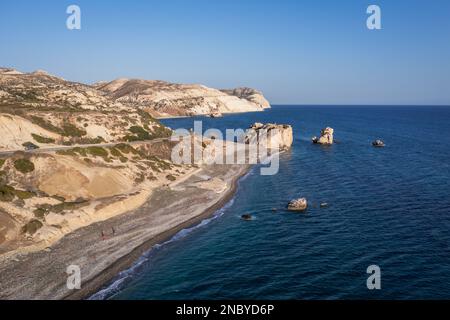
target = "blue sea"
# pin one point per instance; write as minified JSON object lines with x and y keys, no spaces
{"x":386,"y":206}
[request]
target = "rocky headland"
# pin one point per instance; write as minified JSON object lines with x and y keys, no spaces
{"x":270,"y":136}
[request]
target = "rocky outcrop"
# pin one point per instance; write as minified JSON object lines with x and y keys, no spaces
{"x":326,"y":137}
{"x":270,"y":136}
{"x":250,"y":94}
{"x":378,"y":143}
{"x":164,"y":99}
{"x":298,"y":205}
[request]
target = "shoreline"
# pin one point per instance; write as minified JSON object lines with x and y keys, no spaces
{"x":42,"y":274}
{"x":102,"y":280}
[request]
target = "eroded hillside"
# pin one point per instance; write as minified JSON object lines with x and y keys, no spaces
{"x":164,"y":99}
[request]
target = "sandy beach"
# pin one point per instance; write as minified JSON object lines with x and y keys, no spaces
{"x":42,"y":274}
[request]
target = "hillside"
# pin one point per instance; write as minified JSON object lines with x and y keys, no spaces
{"x":72,"y":154}
{"x":164,"y":99}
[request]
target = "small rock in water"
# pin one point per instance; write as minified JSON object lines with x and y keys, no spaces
{"x":274,"y":209}
{"x":378,"y":143}
{"x":298,"y":205}
{"x":324,"y":205}
{"x":216,"y":114}
{"x":246,"y":217}
{"x":326,"y":136}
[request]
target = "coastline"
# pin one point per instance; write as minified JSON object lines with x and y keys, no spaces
{"x":97,"y":283}
{"x":42,"y":274}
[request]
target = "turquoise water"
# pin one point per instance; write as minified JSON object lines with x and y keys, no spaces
{"x":388,"y":207}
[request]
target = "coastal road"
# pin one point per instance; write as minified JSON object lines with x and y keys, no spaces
{"x":59,"y":148}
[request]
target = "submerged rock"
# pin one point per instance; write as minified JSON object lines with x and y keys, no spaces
{"x":247,"y":217}
{"x":326,"y":136}
{"x":378,"y":143}
{"x":298,"y":205}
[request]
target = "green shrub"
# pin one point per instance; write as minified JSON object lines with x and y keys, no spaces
{"x":32,"y":226}
{"x":98,"y":151}
{"x":58,"y":208}
{"x":44,"y":124}
{"x":42,"y":139}
{"x":40,"y":213}
{"x":115,"y":152}
{"x":171,"y":177}
{"x":139,"y":134}
{"x":160,"y":131}
{"x":6,"y":193}
{"x":126,"y":148}
{"x":2,"y":162}
{"x":91,"y":140}
{"x":69,"y":130}
{"x":24,"y":194}
{"x":73,"y":152}
{"x":30,"y":145}
{"x":24,"y":165}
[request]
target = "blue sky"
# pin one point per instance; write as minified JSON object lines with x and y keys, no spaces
{"x":296,"y":52}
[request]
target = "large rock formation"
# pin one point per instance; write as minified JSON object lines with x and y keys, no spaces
{"x":326,"y":136}
{"x":270,"y":136}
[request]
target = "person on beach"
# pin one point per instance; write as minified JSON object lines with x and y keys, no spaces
{"x":103,"y":235}
{"x":113,"y":231}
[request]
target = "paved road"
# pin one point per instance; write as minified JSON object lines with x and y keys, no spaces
{"x":59,"y":148}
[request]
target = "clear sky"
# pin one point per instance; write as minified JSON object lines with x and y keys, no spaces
{"x":296,"y":52}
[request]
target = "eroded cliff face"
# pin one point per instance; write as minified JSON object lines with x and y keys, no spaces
{"x":44,"y":196}
{"x":249,"y":94}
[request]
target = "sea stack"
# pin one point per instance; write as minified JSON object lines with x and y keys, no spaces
{"x":270,"y":136}
{"x":326,"y":137}
{"x":298,"y":205}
